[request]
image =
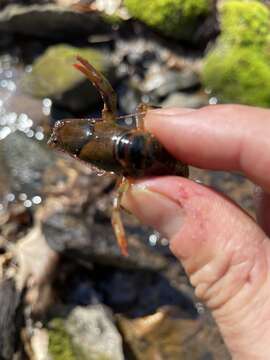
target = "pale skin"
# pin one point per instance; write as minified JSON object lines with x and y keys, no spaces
{"x":225,"y":253}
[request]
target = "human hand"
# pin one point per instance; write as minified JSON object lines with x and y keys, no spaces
{"x":223,"y":250}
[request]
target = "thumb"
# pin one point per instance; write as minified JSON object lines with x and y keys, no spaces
{"x":222,"y":249}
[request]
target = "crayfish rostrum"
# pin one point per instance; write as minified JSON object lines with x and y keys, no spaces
{"x":129,"y":153}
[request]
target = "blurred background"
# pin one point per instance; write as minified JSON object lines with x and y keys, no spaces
{"x":65,"y":291}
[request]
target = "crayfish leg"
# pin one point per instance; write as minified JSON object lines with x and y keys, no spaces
{"x":103,"y":86}
{"x":117,"y":223}
{"x":141,"y":111}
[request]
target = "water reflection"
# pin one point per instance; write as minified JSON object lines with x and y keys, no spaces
{"x":14,"y":117}
{"x":22,"y":198}
{"x":10,"y":78}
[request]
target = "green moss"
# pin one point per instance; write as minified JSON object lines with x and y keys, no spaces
{"x":53,"y":73}
{"x":60,"y":346}
{"x":237,"y":69}
{"x":112,"y":19}
{"x":239,"y":75}
{"x":175,"y":18}
{"x":245,"y":22}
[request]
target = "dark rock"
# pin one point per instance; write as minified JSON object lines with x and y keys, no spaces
{"x":10,"y":318}
{"x":51,"y":21}
{"x":83,"y":293}
{"x":25,"y":161}
{"x":95,"y":242}
{"x":5,"y":3}
{"x":139,"y":292}
{"x":180,"y":99}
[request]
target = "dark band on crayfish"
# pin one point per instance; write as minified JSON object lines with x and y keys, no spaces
{"x":140,"y":154}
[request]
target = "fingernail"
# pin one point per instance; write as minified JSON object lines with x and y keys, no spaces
{"x":154,"y":209}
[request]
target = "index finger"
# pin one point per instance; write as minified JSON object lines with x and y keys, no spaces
{"x":221,"y":137}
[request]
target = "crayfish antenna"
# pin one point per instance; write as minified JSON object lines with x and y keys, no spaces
{"x":101,"y":83}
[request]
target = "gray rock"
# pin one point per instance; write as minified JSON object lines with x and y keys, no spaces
{"x":161,"y":81}
{"x":93,"y":332}
{"x":24,"y":161}
{"x":50,"y":21}
{"x":90,"y":238}
{"x":180,"y":99}
{"x":10,"y":318}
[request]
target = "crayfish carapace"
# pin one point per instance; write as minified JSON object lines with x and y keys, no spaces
{"x":129,"y":153}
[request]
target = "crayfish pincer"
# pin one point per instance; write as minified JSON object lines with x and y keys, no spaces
{"x":129,"y":153}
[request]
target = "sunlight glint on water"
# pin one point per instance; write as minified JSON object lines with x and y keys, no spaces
{"x":10,"y":121}
{"x":10,"y":78}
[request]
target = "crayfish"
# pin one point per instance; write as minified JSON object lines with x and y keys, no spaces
{"x":128,"y":153}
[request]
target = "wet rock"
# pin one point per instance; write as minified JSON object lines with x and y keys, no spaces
{"x":34,"y":173}
{"x":83,"y":293}
{"x":93,"y":241}
{"x":24,"y":160}
{"x":10,"y":318}
{"x":23,"y":107}
{"x":20,"y":111}
{"x":161,"y":81}
{"x":4,"y":3}
{"x":235,"y":186}
{"x":179,"y":99}
{"x":167,"y":335}
{"x":139,"y":292}
{"x":87,"y":333}
{"x":53,"y":76}
{"x":51,"y":21}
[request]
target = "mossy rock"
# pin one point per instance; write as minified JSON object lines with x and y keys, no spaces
{"x":238,"y":75}
{"x":60,"y":345}
{"x":174,"y":18}
{"x":54,"y":76}
{"x":245,"y":22}
{"x":237,"y":69}
{"x":86,"y":333}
